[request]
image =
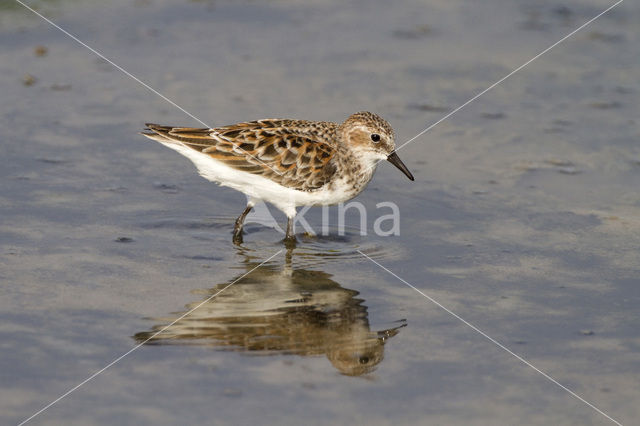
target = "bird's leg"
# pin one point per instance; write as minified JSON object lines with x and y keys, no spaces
{"x":237,"y":229}
{"x":290,"y":237}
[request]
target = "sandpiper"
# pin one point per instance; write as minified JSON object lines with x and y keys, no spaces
{"x":288,"y":163}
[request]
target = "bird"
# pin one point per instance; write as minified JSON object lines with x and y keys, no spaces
{"x":287,"y":162}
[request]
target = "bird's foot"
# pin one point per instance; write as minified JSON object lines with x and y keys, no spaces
{"x":290,"y":241}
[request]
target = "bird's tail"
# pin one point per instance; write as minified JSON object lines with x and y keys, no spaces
{"x":157,"y":132}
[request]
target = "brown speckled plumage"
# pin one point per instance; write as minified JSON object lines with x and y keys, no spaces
{"x":310,"y":162}
{"x":292,"y":153}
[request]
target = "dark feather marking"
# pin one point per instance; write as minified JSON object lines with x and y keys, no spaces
{"x":289,"y":145}
{"x":269,"y":152}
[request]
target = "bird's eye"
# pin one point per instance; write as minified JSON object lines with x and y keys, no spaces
{"x":375,"y":137}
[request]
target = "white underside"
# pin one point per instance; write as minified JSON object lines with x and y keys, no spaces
{"x":259,"y":188}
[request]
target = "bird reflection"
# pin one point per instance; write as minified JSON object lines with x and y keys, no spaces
{"x":280,"y":310}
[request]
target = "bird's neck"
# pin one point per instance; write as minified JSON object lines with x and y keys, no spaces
{"x":356,"y":168}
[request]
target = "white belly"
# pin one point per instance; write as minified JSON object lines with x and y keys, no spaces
{"x":261,"y":188}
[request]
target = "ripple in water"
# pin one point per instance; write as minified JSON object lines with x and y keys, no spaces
{"x":310,"y":250}
{"x":318,"y":250}
{"x":188,"y":223}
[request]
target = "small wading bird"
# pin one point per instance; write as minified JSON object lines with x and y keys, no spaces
{"x":288,"y":163}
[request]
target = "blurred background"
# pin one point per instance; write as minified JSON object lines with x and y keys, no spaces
{"x":524,"y":218}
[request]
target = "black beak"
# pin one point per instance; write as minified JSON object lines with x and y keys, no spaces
{"x":396,"y":161}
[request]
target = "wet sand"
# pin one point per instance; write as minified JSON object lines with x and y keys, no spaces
{"x":523,"y":218}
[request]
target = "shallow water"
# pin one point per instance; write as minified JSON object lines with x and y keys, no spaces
{"x":523,"y":218}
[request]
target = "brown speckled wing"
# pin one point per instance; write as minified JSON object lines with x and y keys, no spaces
{"x":292,"y":153}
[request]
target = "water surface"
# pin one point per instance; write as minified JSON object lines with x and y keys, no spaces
{"x":523,"y":218}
